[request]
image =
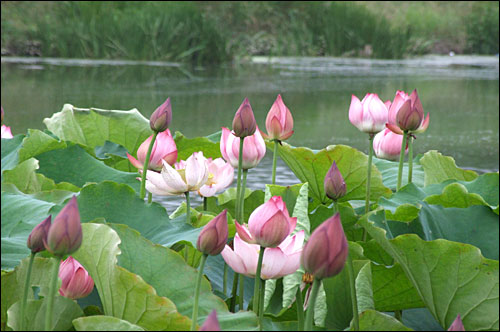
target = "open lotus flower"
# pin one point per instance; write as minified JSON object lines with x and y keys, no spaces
{"x":406,"y":113}
{"x":220,"y":176}
{"x":268,"y":225}
{"x":189,"y":175}
{"x":368,"y":115}
{"x":254,"y":148}
{"x":6,"y":133}
{"x":164,"y":148}
{"x":387,"y":145}
{"x":279,"y":121}
{"x":277,"y":262}
{"x":76,"y":281}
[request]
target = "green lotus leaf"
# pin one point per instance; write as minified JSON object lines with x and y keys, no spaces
{"x":186,"y":146}
{"x":38,"y":142}
{"x":93,"y":127}
{"x":310,"y":166}
{"x":372,"y":320}
{"x":10,"y":151}
{"x":104,"y":323}
{"x":451,"y":278}
{"x":123,"y":294}
{"x":389,"y":170}
{"x":438,"y":168}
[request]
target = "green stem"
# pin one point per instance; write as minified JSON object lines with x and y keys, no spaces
{"x":300,"y":309}
{"x":410,"y":157}
{"x":242,"y":290}
{"x":238,"y":187}
{"x":145,"y":166}
{"x":52,"y":294}
{"x":233,"y":292}
{"x":310,"y":307}
{"x":188,"y":221}
{"x":354,"y":299}
{"x":150,"y":198}
{"x":275,"y":155}
{"x":257,"y":281}
{"x":398,"y":314}
{"x":368,"y":179}
{"x":261,"y":302}
{"x":224,"y":279}
{"x":197,"y":292}
{"x":205,"y":203}
{"x":26,"y":288}
{"x":242,"y":198}
{"x":335,"y":206}
{"x":401,"y":160}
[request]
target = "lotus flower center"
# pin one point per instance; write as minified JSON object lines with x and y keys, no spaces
{"x":210,"y":180}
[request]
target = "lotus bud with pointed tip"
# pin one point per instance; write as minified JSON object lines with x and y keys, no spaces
{"x":65,"y":234}
{"x":325,"y":253}
{"x":457,"y":324}
{"x":244,"y":121}
{"x":161,"y":117}
{"x":407,"y":114}
{"x":334,"y":183}
{"x":387,"y":145}
{"x":164,"y":148}
{"x":279,"y":121}
{"x":213,"y":236}
{"x":38,"y":235}
{"x":211,"y":323}
{"x":76,"y":281}
{"x":368,"y":115}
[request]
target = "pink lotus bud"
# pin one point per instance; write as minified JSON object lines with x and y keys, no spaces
{"x":161,"y":117}
{"x":254,"y":148}
{"x":368,"y":115}
{"x":211,"y":323}
{"x":279,"y":121}
{"x":387,"y":145}
{"x":76,"y":281}
{"x":164,"y":148}
{"x":244,"y":121}
{"x":457,"y":325}
{"x":38,"y":235}
{"x":407,"y":113}
{"x":325,"y":253}
{"x":334,"y":183}
{"x":65,"y":234}
{"x":269,"y":224}
{"x":213,"y":236}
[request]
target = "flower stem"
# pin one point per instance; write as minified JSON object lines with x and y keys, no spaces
{"x":232,"y":307}
{"x":401,"y":160}
{"x":368,"y":179}
{"x":300,"y":309}
{"x":26,"y":288}
{"x":238,"y":187}
{"x":150,"y":197}
{"x":205,"y":203}
{"x":410,"y":157}
{"x":275,"y":155}
{"x":242,"y":291}
{"x":224,"y":279}
{"x":242,"y":198}
{"x":188,"y":221}
{"x":145,"y":166}
{"x":261,"y":302}
{"x":398,"y":314}
{"x":354,"y":299}
{"x":197,"y":292}
{"x":256,"y":293}
{"x":52,"y":294}
{"x":312,"y":302}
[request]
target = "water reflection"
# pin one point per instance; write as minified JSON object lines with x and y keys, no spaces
{"x":460,"y":93}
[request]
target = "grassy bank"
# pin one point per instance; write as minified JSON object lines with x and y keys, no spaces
{"x":214,"y":32}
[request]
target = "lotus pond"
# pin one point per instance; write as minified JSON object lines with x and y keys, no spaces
{"x":400,"y":252}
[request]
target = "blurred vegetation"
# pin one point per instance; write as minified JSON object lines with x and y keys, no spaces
{"x":213,"y":32}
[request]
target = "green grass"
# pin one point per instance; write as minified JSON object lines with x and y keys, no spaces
{"x":213,"y":32}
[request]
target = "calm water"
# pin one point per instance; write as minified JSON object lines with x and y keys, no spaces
{"x":461,"y":94}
